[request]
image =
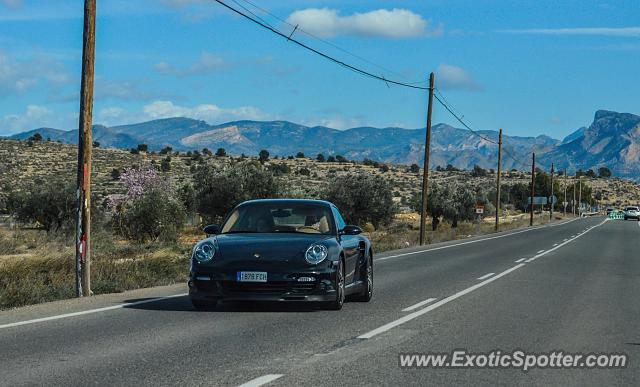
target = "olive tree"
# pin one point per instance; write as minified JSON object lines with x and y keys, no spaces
{"x":219,"y":190}
{"x":362,"y":197}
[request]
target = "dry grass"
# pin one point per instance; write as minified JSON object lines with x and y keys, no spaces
{"x":38,"y":267}
{"x":404,"y":232}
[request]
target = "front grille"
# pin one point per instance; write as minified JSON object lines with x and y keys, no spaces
{"x":267,"y":287}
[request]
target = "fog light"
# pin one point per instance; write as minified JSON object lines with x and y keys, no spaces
{"x":306,"y":279}
{"x":203,"y":278}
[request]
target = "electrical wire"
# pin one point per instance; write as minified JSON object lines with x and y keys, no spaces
{"x":437,"y":95}
{"x":298,"y":28}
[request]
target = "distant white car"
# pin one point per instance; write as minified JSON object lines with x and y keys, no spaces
{"x":632,"y":212}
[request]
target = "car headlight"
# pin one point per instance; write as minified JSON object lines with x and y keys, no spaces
{"x":204,"y":251}
{"x":316,"y":254}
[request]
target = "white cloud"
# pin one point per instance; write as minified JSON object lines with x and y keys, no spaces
{"x":396,"y":23}
{"x":206,"y":64}
{"x":33,"y":117}
{"x":454,"y":77}
{"x":630,"y":32}
{"x":20,"y":76}
{"x":12,"y":3}
{"x":210,"y":113}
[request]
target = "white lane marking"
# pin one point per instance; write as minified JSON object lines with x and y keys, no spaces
{"x":486,"y":276}
{"x":438,"y":304}
{"x":520,"y":260}
{"x":541,"y":251}
{"x":90,"y":311}
{"x":261,"y":381}
{"x":565,"y":239}
{"x":564,"y":243}
{"x":444,"y":301}
{"x":419,"y":304}
{"x":555,"y":244}
{"x":469,"y":242}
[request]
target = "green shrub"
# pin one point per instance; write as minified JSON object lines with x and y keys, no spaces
{"x":362,"y":198}
{"x":218,"y":191}
{"x":49,"y":204}
{"x":154,"y":216}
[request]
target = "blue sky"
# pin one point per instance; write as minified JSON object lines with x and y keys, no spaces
{"x":529,"y":66}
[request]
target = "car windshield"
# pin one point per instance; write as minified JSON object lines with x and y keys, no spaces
{"x":632,"y":209}
{"x":276,"y":217}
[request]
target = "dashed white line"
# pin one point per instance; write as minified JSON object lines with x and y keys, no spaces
{"x":261,"y":381}
{"x":520,"y":260}
{"x":540,"y":254}
{"x":541,"y":251}
{"x":486,"y":276}
{"x":438,"y":304}
{"x":555,"y":244}
{"x":455,"y":296}
{"x":90,"y":311}
{"x":419,"y":304}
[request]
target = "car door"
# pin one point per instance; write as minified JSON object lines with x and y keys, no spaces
{"x":349,"y":244}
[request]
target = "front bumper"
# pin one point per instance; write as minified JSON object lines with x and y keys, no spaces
{"x":221,"y":285}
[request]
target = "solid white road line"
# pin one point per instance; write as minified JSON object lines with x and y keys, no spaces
{"x":541,"y":251}
{"x":520,"y":260}
{"x":438,"y":304}
{"x":419,"y":304}
{"x":470,"y":242}
{"x":90,"y":311}
{"x":261,"y":381}
{"x":486,"y":276}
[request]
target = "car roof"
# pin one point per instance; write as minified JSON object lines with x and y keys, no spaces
{"x":291,"y":201}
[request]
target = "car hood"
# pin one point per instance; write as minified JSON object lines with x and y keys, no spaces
{"x":269,"y":247}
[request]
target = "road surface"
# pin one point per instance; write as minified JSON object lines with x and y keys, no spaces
{"x":573,"y":287}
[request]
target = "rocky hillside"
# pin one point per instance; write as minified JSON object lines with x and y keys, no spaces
{"x":21,"y":165}
{"x":450,"y":145}
{"x":612,"y":140}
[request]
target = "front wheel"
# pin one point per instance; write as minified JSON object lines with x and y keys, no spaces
{"x":367,"y":291}
{"x":339,"y":286}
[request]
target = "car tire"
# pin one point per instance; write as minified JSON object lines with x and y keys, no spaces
{"x":339,"y":286}
{"x":625,"y":218}
{"x":203,"y":305}
{"x":367,"y":291}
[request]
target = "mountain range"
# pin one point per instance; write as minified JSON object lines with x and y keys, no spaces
{"x":612,"y":140}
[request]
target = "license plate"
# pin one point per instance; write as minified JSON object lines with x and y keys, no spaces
{"x":251,"y":276}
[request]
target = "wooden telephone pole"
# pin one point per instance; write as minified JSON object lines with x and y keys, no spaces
{"x":83,"y":215}
{"x":425,"y":171}
{"x":498,"y":179}
{"x":551,"y":207}
{"x":533,"y":186}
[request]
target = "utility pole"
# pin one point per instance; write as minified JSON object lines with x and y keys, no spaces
{"x":551,"y":207}
{"x":573,"y":207}
{"x":564,"y":204}
{"x":83,"y":215}
{"x":533,"y":186}
{"x":580,"y":196}
{"x":498,"y":179}
{"x":425,"y":171}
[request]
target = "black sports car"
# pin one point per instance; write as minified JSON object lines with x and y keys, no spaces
{"x":282,"y":250}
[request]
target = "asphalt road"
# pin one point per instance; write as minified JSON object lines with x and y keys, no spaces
{"x":573,"y":287}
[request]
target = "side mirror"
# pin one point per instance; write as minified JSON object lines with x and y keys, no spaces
{"x":351,"y":230}
{"x":211,"y":229}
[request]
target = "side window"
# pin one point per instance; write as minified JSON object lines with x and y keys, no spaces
{"x":339,"y":221}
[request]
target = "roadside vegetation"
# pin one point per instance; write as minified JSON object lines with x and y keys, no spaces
{"x":142,"y":234}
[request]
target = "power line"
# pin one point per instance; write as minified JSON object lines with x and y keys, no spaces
{"x":298,"y":28}
{"x":328,"y":57}
{"x":264,"y":24}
